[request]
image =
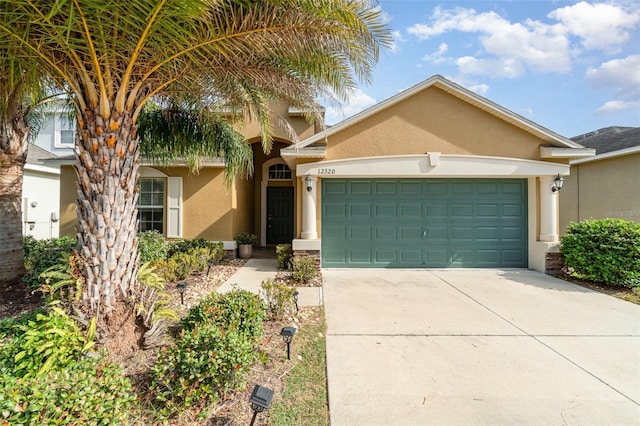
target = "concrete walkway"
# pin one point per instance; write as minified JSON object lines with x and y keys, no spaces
{"x":459,"y":347}
{"x":251,"y":274}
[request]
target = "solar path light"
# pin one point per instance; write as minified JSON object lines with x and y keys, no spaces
{"x":182,"y":285}
{"x":287,"y":335}
{"x":295,"y":299}
{"x":260,"y":400}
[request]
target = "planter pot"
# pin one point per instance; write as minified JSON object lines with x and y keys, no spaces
{"x":245,"y":251}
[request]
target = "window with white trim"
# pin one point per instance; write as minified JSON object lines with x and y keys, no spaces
{"x":279,"y":171}
{"x":151,"y":204}
{"x":64,"y":132}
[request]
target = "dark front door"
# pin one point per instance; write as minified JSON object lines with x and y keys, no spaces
{"x":279,"y":214}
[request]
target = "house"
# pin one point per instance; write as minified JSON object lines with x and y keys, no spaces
{"x":435,"y":176}
{"x":40,"y":195}
{"x":605,"y":185}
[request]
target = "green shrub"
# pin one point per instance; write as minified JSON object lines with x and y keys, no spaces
{"x":238,"y":310}
{"x":187,"y":257}
{"x":246,"y":238}
{"x":278,"y":298}
{"x":40,"y":255}
{"x":215,"y":348}
{"x":152,"y":246}
{"x":49,"y":341}
{"x":605,"y":251}
{"x":89,"y":391}
{"x":284,"y":255}
{"x":304,"y":269}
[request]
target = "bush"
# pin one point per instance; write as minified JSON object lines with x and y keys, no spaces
{"x":215,"y":348}
{"x":187,"y":257}
{"x":284,"y":255}
{"x":89,"y":391}
{"x":304,"y":269}
{"x":43,"y":342}
{"x":152,"y":246}
{"x":238,"y":310}
{"x":40,"y":255}
{"x":278,"y":298}
{"x":605,"y":251}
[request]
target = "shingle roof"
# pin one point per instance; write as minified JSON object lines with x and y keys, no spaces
{"x":610,"y":139}
{"x":35,"y":154}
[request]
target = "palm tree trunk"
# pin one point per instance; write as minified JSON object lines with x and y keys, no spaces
{"x":107,"y":168}
{"x":13,"y":155}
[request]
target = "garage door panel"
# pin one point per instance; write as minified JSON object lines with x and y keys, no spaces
{"x":424,"y":222}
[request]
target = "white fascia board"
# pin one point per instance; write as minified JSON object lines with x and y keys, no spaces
{"x":556,"y":152}
{"x":214,"y":162}
{"x":612,"y":154}
{"x":456,"y":90}
{"x":42,"y":169}
{"x":408,"y":166}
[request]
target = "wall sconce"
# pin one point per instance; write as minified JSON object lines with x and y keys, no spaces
{"x":309,"y":181}
{"x":287,"y":334}
{"x":182,"y":285}
{"x":557,"y":183}
{"x":260,"y":400}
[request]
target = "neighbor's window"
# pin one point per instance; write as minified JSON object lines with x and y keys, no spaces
{"x":279,"y":172}
{"x":151,"y":204}
{"x":65,"y":129}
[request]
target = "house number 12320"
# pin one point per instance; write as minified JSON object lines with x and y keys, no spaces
{"x":326,"y":171}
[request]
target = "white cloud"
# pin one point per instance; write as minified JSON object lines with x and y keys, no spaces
{"x":358,"y":101}
{"x":623,"y":75}
{"x":397,"y":39}
{"x":598,"y":25}
{"x":510,"y":49}
{"x":616,"y":106}
{"x":620,"y":73}
{"x":437,"y":57}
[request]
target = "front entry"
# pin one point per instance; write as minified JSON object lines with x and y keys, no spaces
{"x":279,"y":214}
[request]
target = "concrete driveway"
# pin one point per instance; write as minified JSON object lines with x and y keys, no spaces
{"x":407,"y":347}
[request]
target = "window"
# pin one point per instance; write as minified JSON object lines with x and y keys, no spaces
{"x":151,"y":203}
{"x":64,"y":132}
{"x":279,"y":171}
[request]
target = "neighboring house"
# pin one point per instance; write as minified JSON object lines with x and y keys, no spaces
{"x":56,"y":136}
{"x":40,"y":195}
{"x":436,"y":176}
{"x":606,"y":185}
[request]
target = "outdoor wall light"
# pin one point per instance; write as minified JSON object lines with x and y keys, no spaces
{"x":557,"y":183}
{"x":182,"y":285}
{"x":260,"y":400}
{"x":287,"y":334}
{"x":294,"y":296}
{"x":309,"y":181}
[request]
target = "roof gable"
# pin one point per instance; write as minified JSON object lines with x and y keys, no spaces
{"x":453,"y":89}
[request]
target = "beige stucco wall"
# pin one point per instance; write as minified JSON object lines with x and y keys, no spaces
{"x":243,"y":206}
{"x":206,"y":203}
{"x":433,"y":120}
{"x":601,"y":189}
{"x":68,"y":197}
{"x":304,"y":129}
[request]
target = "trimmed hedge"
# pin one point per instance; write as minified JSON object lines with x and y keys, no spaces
{"x":604,"y":250}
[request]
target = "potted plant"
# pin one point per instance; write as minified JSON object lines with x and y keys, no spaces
{"x":245,"y":242}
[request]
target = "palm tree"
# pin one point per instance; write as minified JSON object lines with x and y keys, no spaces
{"x":113,"y":57}
{"x":20,"y":92}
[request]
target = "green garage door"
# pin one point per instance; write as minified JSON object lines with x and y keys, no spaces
{"x":405,"y":223}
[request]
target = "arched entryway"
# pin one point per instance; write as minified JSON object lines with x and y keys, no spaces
{"x":277,"y":203}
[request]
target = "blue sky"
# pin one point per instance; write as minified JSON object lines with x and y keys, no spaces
{"x":571,"y":66}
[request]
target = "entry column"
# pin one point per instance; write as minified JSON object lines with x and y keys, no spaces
{"x":309,"y":190}
{"x":548,"y":210}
